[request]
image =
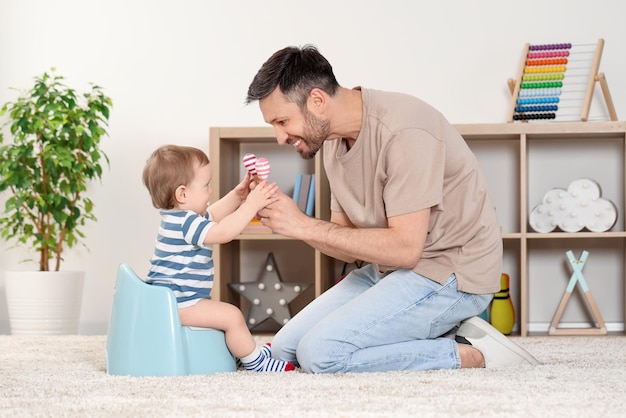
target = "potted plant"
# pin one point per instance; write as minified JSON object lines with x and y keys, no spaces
{"x":44,"y":173}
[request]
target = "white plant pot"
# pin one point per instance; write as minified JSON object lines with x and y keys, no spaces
{"x":44,"y":302}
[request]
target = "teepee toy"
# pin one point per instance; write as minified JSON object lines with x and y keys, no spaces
{"x":577,"y":277}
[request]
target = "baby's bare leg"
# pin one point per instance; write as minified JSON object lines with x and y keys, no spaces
{"x":223,"y":316}
{"x":228,"y":318}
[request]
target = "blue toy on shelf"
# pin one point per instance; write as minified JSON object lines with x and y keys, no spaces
{"x":145,"y":337}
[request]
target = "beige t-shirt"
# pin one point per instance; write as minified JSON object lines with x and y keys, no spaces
{"x":408,"y":157}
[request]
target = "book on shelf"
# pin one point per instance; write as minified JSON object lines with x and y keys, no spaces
{"x":304,"y":181}
{"x":296,"y":187}
{"x":310,"y":201}
{"x":304,"y":193}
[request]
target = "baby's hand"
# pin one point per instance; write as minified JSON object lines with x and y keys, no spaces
{"x":262,"y":195}
{"x":243,"y":188}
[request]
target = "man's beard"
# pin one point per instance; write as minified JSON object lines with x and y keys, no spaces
{"x":315,"y":133}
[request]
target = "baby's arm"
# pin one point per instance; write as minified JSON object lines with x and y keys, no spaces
{"x":229,"y":203}
{"x":226,"y":229}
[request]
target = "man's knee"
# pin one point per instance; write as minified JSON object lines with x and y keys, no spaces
{"x":316,"y":357}
{"x":281,"y":348}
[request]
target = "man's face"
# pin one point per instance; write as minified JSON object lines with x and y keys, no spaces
{"x":303,"y":130}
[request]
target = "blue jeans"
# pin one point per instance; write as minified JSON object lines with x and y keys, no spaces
{"x":370,"y":324}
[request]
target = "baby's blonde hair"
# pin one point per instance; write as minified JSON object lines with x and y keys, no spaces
{"x":168,"y":167}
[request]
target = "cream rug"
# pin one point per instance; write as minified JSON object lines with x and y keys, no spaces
{"x":65,"y":376}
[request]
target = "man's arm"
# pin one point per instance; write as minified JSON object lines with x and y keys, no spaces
{"x":399,"y":245}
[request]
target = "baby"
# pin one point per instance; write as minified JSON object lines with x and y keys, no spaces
{"x":179,"y":181}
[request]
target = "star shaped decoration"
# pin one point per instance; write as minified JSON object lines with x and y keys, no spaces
{"x":270,"y":296}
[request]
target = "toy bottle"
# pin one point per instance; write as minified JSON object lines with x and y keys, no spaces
{"x":502,"y":310}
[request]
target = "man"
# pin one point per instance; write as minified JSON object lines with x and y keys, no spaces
{"x":408,"y":198}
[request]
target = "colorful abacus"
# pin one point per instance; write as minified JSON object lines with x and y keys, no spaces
{"x":556,"y":82}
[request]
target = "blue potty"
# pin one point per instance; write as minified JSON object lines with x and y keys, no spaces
{"x":146,"y":338}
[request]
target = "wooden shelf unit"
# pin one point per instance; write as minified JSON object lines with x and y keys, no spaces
{"x":226,"y":144}
{"x":520,"y":239}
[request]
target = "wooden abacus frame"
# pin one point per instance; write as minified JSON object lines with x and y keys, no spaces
{"x":594,"y":76}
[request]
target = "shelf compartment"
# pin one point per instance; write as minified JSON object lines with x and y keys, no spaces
{"x":537,"y":157}
{"x":233,"y":261}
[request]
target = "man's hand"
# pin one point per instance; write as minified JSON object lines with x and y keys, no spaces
{"x":283,"y":216}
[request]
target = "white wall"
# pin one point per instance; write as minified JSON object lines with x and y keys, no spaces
{"x":175,"y":68}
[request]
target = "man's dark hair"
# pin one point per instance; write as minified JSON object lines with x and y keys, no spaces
{"x":296,"y":71}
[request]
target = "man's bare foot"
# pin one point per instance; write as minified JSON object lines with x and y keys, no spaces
{"x":495,"y":350}
{"x":470,"y":357}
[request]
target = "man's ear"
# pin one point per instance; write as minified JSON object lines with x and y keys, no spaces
{"x":181,"y":194}
{"x":317,"y":100}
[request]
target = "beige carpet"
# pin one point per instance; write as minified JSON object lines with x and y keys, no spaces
{"x":65,"y":376}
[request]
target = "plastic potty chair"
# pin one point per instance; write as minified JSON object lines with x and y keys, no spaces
{"x":145,"y":337}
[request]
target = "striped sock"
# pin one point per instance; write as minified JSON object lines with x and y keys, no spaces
{"x":260,"y":361}
{"x":265,"y":349}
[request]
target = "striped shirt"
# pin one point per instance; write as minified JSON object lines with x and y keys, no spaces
{"x":181,"y":261}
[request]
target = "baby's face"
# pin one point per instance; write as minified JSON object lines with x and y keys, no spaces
{"x":198,"y":192}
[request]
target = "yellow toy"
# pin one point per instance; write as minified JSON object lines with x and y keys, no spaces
{"x":502,"y":310}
